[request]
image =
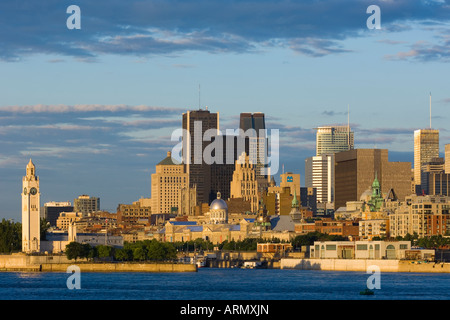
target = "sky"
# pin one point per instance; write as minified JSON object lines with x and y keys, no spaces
{"x":95,"y":107}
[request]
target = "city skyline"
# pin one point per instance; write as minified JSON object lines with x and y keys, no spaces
{"x":96,"y":118}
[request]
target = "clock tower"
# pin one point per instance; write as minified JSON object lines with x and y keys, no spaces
{"x":30,"y":211}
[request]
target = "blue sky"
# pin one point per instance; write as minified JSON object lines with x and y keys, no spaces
{"x":95,"y":107}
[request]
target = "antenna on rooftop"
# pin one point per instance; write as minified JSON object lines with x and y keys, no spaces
{"x":199,"y":105}
{"x":348,"y":124}
{"x":430,"y":109}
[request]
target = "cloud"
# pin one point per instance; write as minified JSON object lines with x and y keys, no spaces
{"x":147,"y":28}
{"x":392,"y":42}
{"x":446,"y":100}
{"x":72,"y":132}
{"x":332,"y":113}
{"x":424,"y":51}
{"x":317,"y":47}
{"x":40,"y":108}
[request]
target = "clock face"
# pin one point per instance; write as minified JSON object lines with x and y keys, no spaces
{"x":25,"y":191}
{"x":33,"y":190}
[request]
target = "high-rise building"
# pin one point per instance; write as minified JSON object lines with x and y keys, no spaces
{"x":222,"y":169}
{"x":447,"y":158}
{"x":167,"y":183}
{"x":31,"y":234}
{"x":332,"y":139}
{"x":292,"y":181}
{"x":308,"y":198}
{"x":356,"y":169}
{"x":434,"y":180}
{"x":254,"y":125}
{"x":319,"y":169}
{"x":86,"y":204}
{"x":278,"y":200}
{"x":53,"y":209}
{"x":426,"y":147}
{"x":195,"y":124}
{"x":319,"y":174}
{"x":244,"y":184}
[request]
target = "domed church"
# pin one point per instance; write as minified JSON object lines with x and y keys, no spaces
{"x":218,"y":211}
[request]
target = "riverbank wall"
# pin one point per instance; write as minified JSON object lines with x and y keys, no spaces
{"x":363,"y":265}
{"x":22,"y":262}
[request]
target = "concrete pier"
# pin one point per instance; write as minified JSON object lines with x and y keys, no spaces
{"x":25,"y":263}
{"x":384,"y":265}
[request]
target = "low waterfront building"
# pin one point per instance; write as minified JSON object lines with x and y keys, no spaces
{"x":368,"y":229}
{"x":424,"y":215}
{"x":181,"y":231}
{"x":273,"y":247}
{"x":66,"y":218}
{"x":135,"y":212}
{"x":56,"y":242}
{"x":360,"y":249}
{"x":218,"y":213}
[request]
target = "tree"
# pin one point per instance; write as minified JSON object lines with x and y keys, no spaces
{"x":309,"y":238}
{"x":123,"y":254}
{"x":86,"y":250}
{"x":139,"y":253}
{"x":104,"y":251}
{"x":160,"y":251}
{"x":44,"y":225}
{"x":10,"y":236}
{"x":74,"y":250}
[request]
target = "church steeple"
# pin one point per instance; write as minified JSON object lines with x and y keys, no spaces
{"x":295,"y":203}
{"x":376,"y":187}
{"x":376,"y":201}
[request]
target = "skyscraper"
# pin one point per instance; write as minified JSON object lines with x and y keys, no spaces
{"x":332,"y":139}
{"x":257,"y":142}
{"x":222,"y":170}
{"x":244,"y":184}
{"x":447,"y":158}
{"x":195,"y":124}
{"x":31,"y":233}
{"x":319,"y":170}
{"x":426,"y":147}
{"x":167,"y":182}
{"x":319,"y":174}
{"x":292,"y":181}
{"x":356,"y":169}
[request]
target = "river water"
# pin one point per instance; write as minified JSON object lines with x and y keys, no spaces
{"x":224,"y":284}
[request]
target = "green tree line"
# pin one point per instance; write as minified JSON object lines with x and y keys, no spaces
{"x":309,"y":238}
{"x":147,"y":250}
{"x":10,"y":236}
{"x":425,"y":242}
